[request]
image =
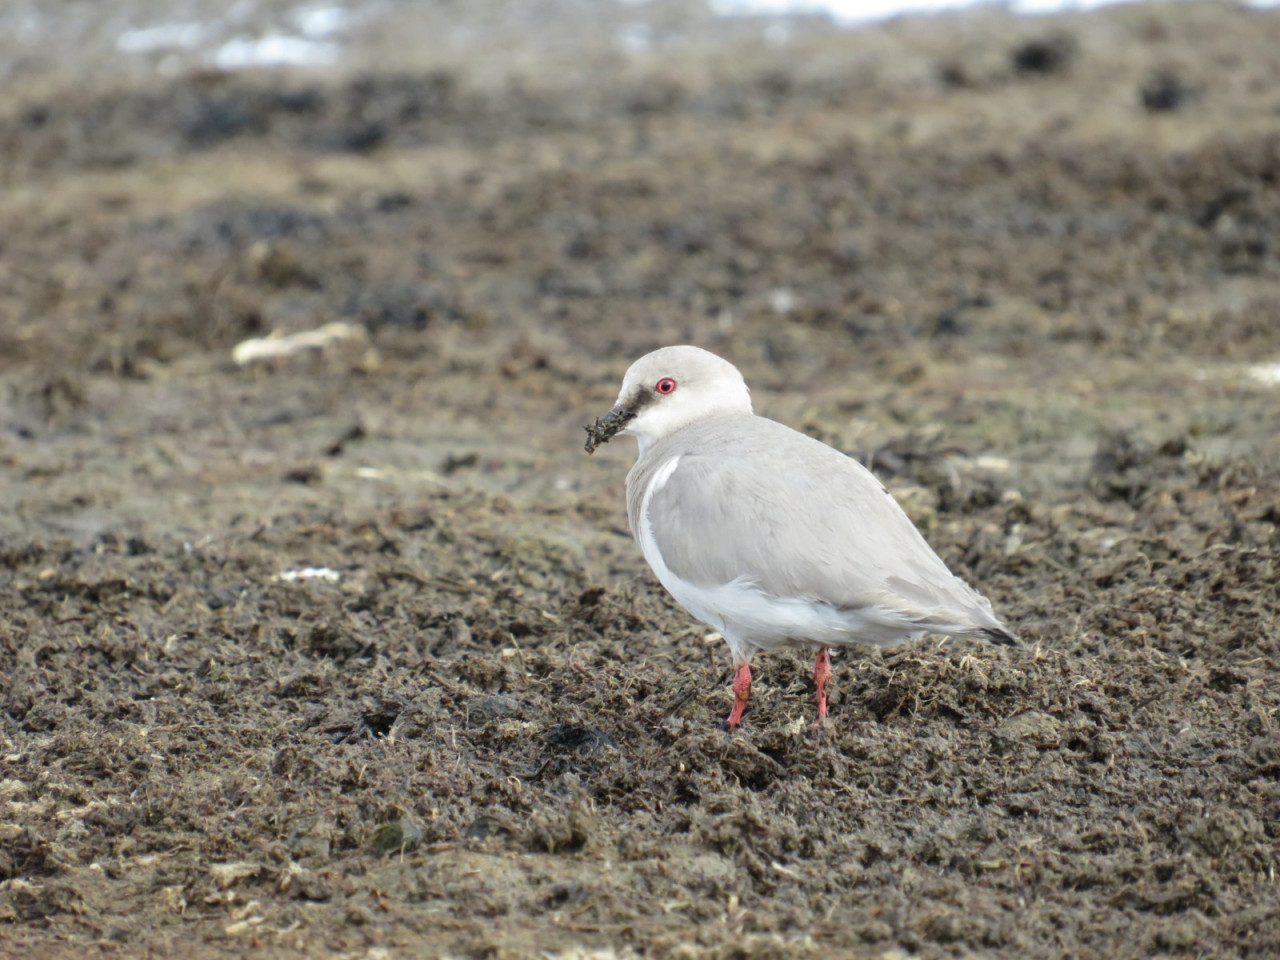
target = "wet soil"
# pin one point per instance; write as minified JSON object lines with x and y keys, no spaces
{"x":350,"y":653}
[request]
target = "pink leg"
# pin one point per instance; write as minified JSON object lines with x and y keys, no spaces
{"x":821,"y":674}
{"x":741,"y":691}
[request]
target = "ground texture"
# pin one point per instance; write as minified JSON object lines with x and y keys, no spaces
{"x":1028,"y":270}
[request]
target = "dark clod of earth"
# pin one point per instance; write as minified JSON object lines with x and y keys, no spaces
{"x":602,"y":430}
{"x":1049,"y":54}
{"x":597,"y":434}
{"x":1165,"y":91}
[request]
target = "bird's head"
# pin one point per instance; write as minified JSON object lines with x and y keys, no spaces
{"x":668,"y":389}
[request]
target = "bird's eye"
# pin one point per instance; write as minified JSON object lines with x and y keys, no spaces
{"x":666,"y":385}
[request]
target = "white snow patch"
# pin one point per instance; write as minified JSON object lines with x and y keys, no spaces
{"x":1268,"y":373}
{"x":321,"y":21}
{"x":164,"y":36}
{"x":275,"y":50}
{"x":851,"y":12}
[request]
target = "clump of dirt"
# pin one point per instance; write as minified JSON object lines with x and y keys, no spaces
{"x":351,"y":650}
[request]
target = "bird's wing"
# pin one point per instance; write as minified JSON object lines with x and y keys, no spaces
{"x":796,"y":518}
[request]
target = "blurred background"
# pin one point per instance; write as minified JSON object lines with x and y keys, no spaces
{"x":142,"y":37}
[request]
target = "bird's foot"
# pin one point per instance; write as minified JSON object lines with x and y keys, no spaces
{"x":821,"y":674}
{"x":741,"y":693}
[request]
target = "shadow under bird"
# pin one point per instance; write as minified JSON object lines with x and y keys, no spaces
{"x":770,"y":536}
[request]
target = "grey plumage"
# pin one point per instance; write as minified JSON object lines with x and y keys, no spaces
{"x":754,"y":500}
{"x":768,"y":535}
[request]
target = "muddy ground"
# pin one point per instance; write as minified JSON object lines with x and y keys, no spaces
{"x":1028,"y":269}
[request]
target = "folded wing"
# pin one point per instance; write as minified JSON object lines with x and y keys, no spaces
{"x":797,"y":519}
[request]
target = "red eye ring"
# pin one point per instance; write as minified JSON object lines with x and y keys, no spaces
{"x":665,"y":385}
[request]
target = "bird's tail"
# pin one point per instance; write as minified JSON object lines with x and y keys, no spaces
{"x":1001,"y":636}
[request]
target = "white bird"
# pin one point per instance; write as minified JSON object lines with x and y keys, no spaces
{"x":770,"y":536}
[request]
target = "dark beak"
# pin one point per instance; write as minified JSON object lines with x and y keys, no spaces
{"x":608,"y":425}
